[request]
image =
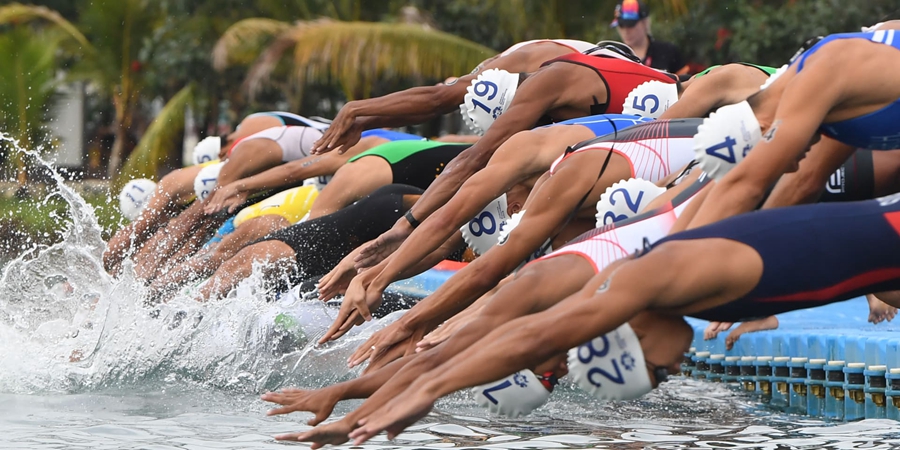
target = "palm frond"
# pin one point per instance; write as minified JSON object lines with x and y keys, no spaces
{"x":243,"y":41}
{"x":19,"y":13}
{"x":152,"y":149}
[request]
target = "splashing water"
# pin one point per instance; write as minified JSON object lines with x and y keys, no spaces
{"x":185,"y":374}
{"x":68,"y":326}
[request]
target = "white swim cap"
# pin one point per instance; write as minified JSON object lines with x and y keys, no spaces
{"x":650,"y":99}
{"x":483,"y":232}
{"x":207,"y":149}
{"x":134,"y":197}
{"x":487,"y":98}
{"x":725,"y":137}
{"x":207,"y":180}
{"x":625,"y":199}
{"x":514,"y":396}
{"x":612,"y":366}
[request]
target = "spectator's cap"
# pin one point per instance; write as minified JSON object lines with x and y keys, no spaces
{"x":629,"y":12}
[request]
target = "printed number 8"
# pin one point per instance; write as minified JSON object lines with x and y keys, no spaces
{"x":481,"y":227}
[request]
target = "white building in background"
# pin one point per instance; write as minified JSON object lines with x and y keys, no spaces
{"x":67,"y":125}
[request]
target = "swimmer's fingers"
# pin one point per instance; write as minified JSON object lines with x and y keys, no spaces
{"x":384,"y":357}
{"x":344,"y":313}
{"x":352,"y":321}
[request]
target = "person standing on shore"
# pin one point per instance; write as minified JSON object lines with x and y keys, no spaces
{"x":632,"y":21}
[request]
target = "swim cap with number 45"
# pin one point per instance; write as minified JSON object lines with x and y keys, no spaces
{"x":487,"y":98}
{"x":650,"y":99}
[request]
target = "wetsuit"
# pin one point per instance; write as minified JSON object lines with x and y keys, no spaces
{"x":619,"y":77}
{"x":855,"y":180}
{"x":812,"y":254}
{"x":416,"y":163}
{"x":878,"y":130}
{"x":654,"y":149}
{"x":291,"y":119}
{"x":604,"y":123}
{"x":391,"y":135}
{"x":764,"y":69}
{"x":321,"y":243}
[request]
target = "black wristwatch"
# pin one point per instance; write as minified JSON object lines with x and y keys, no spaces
{"x":412,"y":220}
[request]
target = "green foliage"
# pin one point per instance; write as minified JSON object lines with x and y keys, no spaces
{"x":152,"y":149}
{"x":29,"y":71}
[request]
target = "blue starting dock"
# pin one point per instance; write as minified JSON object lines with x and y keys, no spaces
{"x":826,"y":362}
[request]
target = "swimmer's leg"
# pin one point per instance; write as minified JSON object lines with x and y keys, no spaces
{"x":250,"y":157}
{"x":352,"y":182}
{"x":277,"y":257}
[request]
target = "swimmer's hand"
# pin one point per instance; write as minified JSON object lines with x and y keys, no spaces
{"x":376,"y":251}
{"x":319,"y":402}
{"x":382,"y":342}
{"x":228,"y":196}
{"x":356,"y":307}
{"x":335,"y":433}
{"x":394,"y":417}
{"x":338,"y":280}
{"x":446,"y":330}
{"x":343,"y":133}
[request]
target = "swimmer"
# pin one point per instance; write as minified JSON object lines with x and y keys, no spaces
{"x":731,"y":270}
{"x":561,"y":206}
{"x":412,"y":163}
{"x":420,"y":104}
{"x":571,"y":86}
{"x":536,"y":287}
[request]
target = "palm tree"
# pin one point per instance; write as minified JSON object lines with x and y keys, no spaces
{"x":29,"y":74}
{"x":353,"y":54}
{"x":152,"y":149}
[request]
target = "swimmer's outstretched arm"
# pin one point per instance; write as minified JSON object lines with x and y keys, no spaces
{"x":807,"y":98}
{"x":614,"y":296}
{"x":807,"y":184}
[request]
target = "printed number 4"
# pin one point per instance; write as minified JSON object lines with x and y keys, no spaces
{"x":643,"y":105}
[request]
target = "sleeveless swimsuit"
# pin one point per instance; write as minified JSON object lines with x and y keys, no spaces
{"x":878,"y":130}
{"x":619,"y":76}
{"x":812,"y":254}
{"x":415,"y":163}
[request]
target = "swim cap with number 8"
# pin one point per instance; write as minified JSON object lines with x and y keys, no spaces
{"x":612,"y":366}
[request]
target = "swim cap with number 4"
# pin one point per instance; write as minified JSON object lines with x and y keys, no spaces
{"x":650,"y":99}
{"x":625,"y":199}
{"x":487,"y":98}
{"x":612,"y":366}
{"x":514,"y":396}
{"x":725,"y":137}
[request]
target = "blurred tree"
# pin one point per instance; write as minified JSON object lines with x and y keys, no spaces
{"x":29,"y":74}
{"x":353,"y":54}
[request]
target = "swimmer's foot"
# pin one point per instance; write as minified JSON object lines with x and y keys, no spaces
{"x":769,"y":323}
{"x":879,"y":311}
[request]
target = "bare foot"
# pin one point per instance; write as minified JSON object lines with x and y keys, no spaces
{"x":714,"y":328}
{"x":768,"y":323}
{"x":879,"y":311}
